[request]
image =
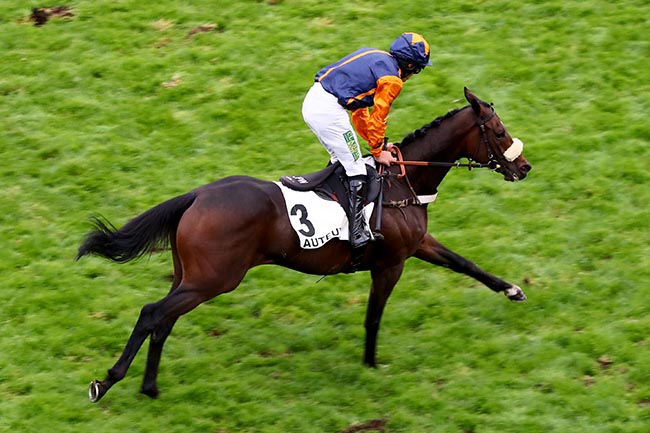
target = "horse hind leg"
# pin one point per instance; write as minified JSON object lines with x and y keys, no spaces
{"x":159,"y":316}
{"x":98,"y":389}
{"x":159,"y":336}
{"x":156,"y":343}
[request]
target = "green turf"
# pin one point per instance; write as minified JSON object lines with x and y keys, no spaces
{"x":124,"y":106}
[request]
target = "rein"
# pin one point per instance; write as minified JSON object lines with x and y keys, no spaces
{"x":470,"y":164}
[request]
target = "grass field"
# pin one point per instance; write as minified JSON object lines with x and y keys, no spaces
{"x":123,"y":105}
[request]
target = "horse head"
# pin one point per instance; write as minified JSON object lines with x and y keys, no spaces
{"x":495,"y":146}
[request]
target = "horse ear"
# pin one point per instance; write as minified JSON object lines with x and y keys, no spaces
{"x":473,"y":100}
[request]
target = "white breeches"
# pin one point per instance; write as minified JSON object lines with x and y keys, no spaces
{"x":331,"y":124}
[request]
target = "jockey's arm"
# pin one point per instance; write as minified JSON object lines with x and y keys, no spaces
{"x":360,"y":118}
{"x":372,"y":126}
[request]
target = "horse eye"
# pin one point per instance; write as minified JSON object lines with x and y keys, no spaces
{"x":501,"y":135}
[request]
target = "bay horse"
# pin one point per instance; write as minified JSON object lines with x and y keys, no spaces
{"x":219,"y":231}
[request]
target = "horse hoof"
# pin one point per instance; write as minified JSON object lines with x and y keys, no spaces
{"x":94,"y":391}
{"x":153,"y":393}
{"x":515,"y":294}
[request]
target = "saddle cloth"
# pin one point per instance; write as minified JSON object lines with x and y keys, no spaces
{"x":315,"y":220}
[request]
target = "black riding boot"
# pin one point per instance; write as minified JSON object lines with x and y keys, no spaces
{"x":359,"y":234}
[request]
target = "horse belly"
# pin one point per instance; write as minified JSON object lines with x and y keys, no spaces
{"x":332,"y":258}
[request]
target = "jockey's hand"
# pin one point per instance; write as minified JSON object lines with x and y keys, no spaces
{"x":385,"y":157}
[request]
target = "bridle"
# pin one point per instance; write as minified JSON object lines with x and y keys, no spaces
{"x":494,"y":163}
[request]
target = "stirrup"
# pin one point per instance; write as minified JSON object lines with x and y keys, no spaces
{"x":360,"y":241}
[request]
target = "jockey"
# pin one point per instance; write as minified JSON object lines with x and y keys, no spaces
{"x":365,"y":78}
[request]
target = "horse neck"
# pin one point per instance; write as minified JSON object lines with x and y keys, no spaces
{"x":444,"y":142}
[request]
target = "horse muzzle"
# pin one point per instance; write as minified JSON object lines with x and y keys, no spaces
{"x":514,"y":171}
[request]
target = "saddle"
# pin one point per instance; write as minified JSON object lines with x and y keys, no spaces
{"x":331,"y":183}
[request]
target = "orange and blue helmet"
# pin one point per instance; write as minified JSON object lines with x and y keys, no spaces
{"x":411,"y":51}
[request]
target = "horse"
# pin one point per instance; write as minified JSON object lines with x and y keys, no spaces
{"x":217,"y":232}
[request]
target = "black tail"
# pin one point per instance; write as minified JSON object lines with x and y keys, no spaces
{"x":143,"y":234}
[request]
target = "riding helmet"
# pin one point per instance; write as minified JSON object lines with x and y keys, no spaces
{"x":411,"y":51}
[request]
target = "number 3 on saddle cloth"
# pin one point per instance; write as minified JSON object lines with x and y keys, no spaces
{"x":318,"y":205}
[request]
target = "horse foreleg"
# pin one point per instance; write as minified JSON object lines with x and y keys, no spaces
{"x":432,"y":251}
{"x":152,"y":317}
{"x":383,"y":282}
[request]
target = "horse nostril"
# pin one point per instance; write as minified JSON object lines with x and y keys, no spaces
{"x":525,"y":168}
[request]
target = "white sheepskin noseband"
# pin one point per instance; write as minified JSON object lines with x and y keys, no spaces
{"x":514,"y":150}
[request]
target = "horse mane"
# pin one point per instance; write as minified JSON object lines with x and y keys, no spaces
{"x":410,"y":138}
